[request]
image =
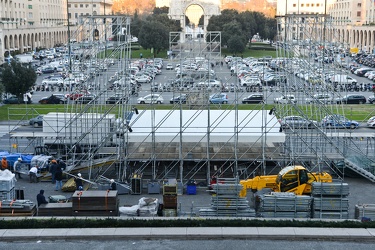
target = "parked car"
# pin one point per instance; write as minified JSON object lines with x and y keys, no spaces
{"x":85,"y":99}
{"x":142,"y":78}
{"x":285,"y":99}
{"x":339,"y":121}
{"x":371,"y":99}
{"x":117,"y":98}
{"x":36,"y":121}
{"x":254,"y":98}
{"x":362,"y":71}
{"x":352,"y":99}
{"x":219,"y":98}
{"x":169,"y":66}
{"x":297,"y":122}
{"x":15,"y":100}
{"x":76,"y":95}
{"x":48,"y":70}
{"x":179,"y":99}
{"x":371,"y":122}
{"x":151,"y":98}
{"x":320,"y":98}
{"x":53,"y":99}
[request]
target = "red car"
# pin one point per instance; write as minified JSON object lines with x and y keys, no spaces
{"x":76,"y":95}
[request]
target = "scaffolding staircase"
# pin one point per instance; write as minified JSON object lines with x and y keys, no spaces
{"x":361,"y":170}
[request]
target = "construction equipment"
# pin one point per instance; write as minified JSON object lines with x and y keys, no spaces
{"x":295,"y":179}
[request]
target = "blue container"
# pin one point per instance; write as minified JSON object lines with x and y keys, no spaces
{"x":191,"y":189}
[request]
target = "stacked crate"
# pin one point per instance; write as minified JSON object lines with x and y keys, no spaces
{"x":330,"y":200}
{"x":365,"y":211}
{"x":170,"y":200}
{"x":7,"y":185}
{"x":226,"y":202}
{"x":17,"y":208}
{"x":283,"y":205}
{"x":95,"y":203}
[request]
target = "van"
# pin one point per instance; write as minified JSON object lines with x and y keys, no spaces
{"x":343,"y":79}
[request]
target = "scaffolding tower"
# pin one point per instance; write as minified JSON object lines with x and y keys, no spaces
{"x":310,"y":51}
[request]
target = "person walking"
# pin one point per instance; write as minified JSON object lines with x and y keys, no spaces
{"x":17,"y":167}
{"x":58,"y":178}
{"x":40,"y":198}
{"x":33,"y":174}
{"x":4,"y":163}
{"x":52,"y":169}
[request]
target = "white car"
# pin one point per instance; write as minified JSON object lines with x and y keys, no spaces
{"x":285,"y":99}
{"x":151,"y":98}
{"x":142,"y":78}
{"x":169,"y":66}
{"x":371,"y":122}
{"x":53,"y":81}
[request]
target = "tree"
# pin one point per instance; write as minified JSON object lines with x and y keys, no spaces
{"x":154,"y":35}
{"x":161,"y":10}
{"x":17,"y":79}
{"x":231,"y":29}
{"x":236,"y":44}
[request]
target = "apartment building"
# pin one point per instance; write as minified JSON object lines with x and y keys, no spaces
{"x":352,"y":21}
{"x":26,"y":25}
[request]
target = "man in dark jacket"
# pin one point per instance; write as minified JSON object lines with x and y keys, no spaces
{"x":40,"y":198}
{"x":58,"y":178}
{"x":52,"y":169}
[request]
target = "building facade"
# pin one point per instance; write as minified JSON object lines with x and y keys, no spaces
{"x":26,"y":25}
{"x":352,"y":20}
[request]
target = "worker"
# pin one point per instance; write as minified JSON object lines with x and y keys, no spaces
{"x":79,"y":182}
{"x":4,"y":163}
{"x":17,"y":167}
{"x":33,"y":174}
{"x":52,"y":169}
{"x":58,"y":178}
{"x":62,"y":164}
{"x":113,"y":184}
{"x":40,"y":198}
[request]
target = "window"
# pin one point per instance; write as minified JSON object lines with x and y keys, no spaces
{"x":30,"y":15}
{"x":359,"y":4}
{"x":294,"y":5}
{"x":87,"y":5}
{"x":358,"y":13}
{"x":69,"y":5}
{"x":81,"y":5}
{"x":307,"y":5}
{"x":302,"y":5}
{"x":317,"y":5}
{"x":75,"y":5}
{"x":30,"y":7}
{"x":94,"y":5}
{"x":69,"y":15}
{"x":312,"y":5}
{"x":76,"y":15}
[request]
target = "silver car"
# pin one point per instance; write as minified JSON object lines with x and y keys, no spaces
{"x":297,"y":122}
{"x":151,"y":98}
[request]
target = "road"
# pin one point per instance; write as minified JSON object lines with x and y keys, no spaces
{"x":172,"y":244}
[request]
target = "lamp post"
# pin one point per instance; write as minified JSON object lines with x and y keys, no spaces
{"x":105,"y":33}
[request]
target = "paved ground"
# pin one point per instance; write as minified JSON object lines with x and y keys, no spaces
{"x":361,"y":192}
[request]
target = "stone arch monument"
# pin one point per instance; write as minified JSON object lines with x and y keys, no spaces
{"x":177,"y":9}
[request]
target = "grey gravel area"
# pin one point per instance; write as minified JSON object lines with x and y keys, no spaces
{"x":361,"y":192}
